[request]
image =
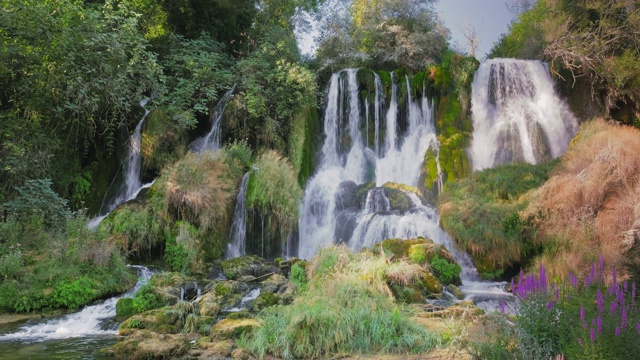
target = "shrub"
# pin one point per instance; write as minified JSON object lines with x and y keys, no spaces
{"x":145,"y":299}
{"x":445,"y":271}
{"x":37,"y":198}
{"x":73,"y":294}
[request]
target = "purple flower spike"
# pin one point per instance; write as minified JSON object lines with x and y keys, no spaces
{"x":581,"y":313}
{"x":550,"y":305}
{"x":599,"y":324}
{"x":574,"y":280}
{"x":625,"y":285}
{"x":502,"y":307}
{"x":613,"y":307}
{"x":633,"y":293}
{"x":624,"y":318}
{"x":557,"y":294}
{"x":599,"y":301}
{"x":592,"y":335}
{"x":580,"y":341}
{"x":617,"y":331}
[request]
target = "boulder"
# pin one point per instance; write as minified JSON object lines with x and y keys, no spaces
{"x":146,"y":344}
{"x":252,"y":265}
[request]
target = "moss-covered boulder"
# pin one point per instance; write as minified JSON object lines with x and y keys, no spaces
{"x":210,"y":305}
{"x":164,"y":321}
{"x":265,"y":300}
{"x":146,"y":344}
{"x":124,"y":308}
{"x":247,"y":265}
{"x":232,"y":328}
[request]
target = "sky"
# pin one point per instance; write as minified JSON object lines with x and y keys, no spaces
{"x":489,"y":17}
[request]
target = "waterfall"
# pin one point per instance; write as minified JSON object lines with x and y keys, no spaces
{"x":517,"y":116}
{"x":212,"y":140}
{"x":329,"y":211}
{"x":236,"y":246}
{"x":90,"y":321}
{"x":132,"y":183}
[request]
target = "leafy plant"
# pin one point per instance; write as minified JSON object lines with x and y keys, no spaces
{"x":73,"y":294}
{"x":145,"y":299}
{"x":299,"y":276}
{"x":445,"y":271}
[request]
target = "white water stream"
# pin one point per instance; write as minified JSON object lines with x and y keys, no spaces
{"x":238,"y":236}
{"x":88,"y":322}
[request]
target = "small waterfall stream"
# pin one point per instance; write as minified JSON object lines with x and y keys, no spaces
{"x":92,"y":321}
{"x":132,"y":183}
{"x":238,"y":236}
{"x":517,"y":116}
{"x":213,"y":141}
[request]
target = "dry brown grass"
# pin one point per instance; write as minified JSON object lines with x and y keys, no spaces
{"x":590,"y":199}
{"x":199,"y":189}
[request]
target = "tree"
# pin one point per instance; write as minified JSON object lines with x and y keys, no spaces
{"x":472,"y":35}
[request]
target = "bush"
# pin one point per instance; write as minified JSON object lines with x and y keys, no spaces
{"x":445,"y":271}
{"x":73,"y":294}
{"x":37,"y":198}
{"x":145,"y":299}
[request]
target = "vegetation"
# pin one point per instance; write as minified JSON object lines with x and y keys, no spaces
{"x":586,"y":319}
{"x":593,"y":39}
{"x":590,"y":201}
{"x":347,"y":308}
{"x":482,"y":213}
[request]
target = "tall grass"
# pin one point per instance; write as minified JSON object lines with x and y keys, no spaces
{"x":482,"y":213}
{"x":347,"y":308}
{"x":591,"y":199}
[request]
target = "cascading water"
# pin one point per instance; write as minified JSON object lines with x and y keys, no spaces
{"x":517,"y":116}
{"x":91,"y":321}
{"x":238,"y":236}
{"x":132,"y":183}
{"x":212,"y":141}
{"x":389,"y":207}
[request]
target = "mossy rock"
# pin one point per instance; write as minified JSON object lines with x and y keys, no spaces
{"x":403,"y":187}
{"x":247,"y":265}
{"x":165,"y":321}
{"x":265,"y":300}
{"x":455,"y":291}
{"x":361,"y":191}
{"x":430,"y":284}
{"x":398,"y":199}
{"x":124,"y":308}
{"x":399,"y":247}
{"x":408,"y":294}
{"x":233,"y":328}
{"x":210,"y":305}
{"x":145,"y":344}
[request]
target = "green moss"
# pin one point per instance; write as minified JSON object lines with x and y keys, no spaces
{"x":417,"y":253}
{"x":124,"y":308}
{"x":162,"y":142}
{"x":265,"y":300}
{"x":399,"y":247}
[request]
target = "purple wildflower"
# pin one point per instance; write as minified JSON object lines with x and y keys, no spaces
{"x":625,"y":285}
{"x":624,"y":318}
{"x":580,"y":341}
{"x":582,"y":313}
{"x":599,"y":301}
{"x":633,"y":293}
{"x":613,"y":307}
{"x":599,"y":324}
{"x":592,"y":334}
{"x":543,"y":279}
{"x":557,"y":294}
{"x":574,"y":280}
{"x":550,"y":305}
{"x":617,"y":331}
{"x":638,"y":327}
{"x":502,"y":307}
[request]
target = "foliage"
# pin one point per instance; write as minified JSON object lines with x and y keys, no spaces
{"x":69,"y":71}
{"x":273,"y":193}
{"x":36,"y":198}
{"x":383,"y":34}
{"x":525,"y":38}
{"x":594,"y":318}
{"x":346,"y":309}
{"x":273,"y":88}
{"x":63,"y":267}
{"x":182,"y":252}
{"x":145,"y":299}
{"x":446,"y":272}
{"x":196,"y":71}
{"x":299,"y":276}
{"x":482,"y":214}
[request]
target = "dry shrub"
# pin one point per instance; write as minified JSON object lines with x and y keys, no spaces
{"x":199,"y":188}
{"x":590,"y":200}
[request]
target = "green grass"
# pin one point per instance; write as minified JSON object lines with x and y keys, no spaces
{"x":347,"y":308}
{"x":482,"y":214}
